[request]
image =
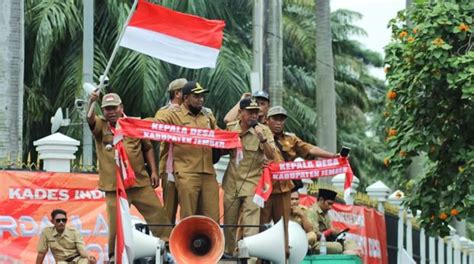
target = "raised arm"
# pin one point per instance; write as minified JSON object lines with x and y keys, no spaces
{"x":233,"y":113}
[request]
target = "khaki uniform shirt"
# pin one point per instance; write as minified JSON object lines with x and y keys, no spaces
{"x":320,"y":220}
{"x":134,"y":147}
{"x":294,"y":147}
{"x":164,"y":146}
{"x":296,"y":218}
{"x":62,"y":246}
{"x":242,"y":179}
{"x":188,"y":158}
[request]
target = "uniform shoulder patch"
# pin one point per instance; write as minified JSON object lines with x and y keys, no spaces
{"x":289,"y":134}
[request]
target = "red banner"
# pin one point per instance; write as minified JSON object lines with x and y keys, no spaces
{"x":367,"y":229}
{"x":298,"y":170}
{"x":26,"y":202}
{"x":146,"y":129}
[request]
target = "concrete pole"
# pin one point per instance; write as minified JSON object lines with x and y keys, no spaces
{"x":256,"y":76}
{"x":87,"y":77}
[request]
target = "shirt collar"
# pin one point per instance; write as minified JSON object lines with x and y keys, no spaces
{"x":187,"y":112}
{"x":250,"y":130}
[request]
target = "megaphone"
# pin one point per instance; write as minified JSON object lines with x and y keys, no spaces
{"x":298,"y":243}
{"x":197,"y":239}
{"x":269,"y":245}
{"x":146,"y":245}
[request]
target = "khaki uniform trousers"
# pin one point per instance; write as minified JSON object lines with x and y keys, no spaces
{"x":147,"y":203}
{"x":198,"y":193}
{"x":277,"y":206}
{"x":249,"y":214}
{"x":170,"y":199}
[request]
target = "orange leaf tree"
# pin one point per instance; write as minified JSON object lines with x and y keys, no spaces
{"x":431,"y":62}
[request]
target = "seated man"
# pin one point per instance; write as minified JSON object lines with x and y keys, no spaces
{"x":318,"y":215}
{"x":298,"y":215}
{"x":65,"y":243}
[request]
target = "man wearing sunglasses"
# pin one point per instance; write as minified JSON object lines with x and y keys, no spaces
{"x":65,"y":243}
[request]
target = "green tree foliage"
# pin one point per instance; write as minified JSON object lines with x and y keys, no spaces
{"x":430,"y":108}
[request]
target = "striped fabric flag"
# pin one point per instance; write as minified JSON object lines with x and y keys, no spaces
{"x":182,"y":39}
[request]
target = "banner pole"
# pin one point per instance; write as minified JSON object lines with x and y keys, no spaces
{"x":112,"y":56}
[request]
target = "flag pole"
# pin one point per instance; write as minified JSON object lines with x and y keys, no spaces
{"x":112,"y":56}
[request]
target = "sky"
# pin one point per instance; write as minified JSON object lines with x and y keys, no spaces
{"x":376,"y":14}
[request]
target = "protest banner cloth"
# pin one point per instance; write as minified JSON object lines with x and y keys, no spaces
{"x":299,"y":170}
{"x":147,"y":129}
{"x":366,"y":228}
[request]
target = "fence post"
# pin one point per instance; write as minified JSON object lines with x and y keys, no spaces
{"x":409,"y":232}
{"x":432,"y":246}
{"x":441,"y":246}
{"x":379,"y":192}
{"x":422,"y":241}
{"x":450,"y":247}
{"x":396,"y":198}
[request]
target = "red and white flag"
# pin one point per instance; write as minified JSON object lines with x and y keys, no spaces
{"x":182,"y":39}
{"x":124,"y":237}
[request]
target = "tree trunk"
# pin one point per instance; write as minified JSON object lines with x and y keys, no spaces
{"x":274,"y":39}
{"x":325,"y":85}
{"x":11,"y":79}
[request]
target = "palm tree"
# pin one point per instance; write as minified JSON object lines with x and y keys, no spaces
{"x":275,"y":51}
{"x":11,"y":86}
{"x":325,"y":84}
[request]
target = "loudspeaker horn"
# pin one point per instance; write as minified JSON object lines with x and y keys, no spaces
{"x":269,"y":245}
{"x":197,"y":239}
{"x":298,"y":243}
{"x":146,"y":245}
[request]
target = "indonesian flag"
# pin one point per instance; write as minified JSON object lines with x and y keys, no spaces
{"x":124,"y":238}
{"x":185,"y":40}
{"x":264,"y":188}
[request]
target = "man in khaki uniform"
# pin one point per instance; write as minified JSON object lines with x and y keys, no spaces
{"x":142,"y":194}
{"x":170,"y":195}
{"x":288,"y":148}
{"x":263,"y":100}
{"x":318,"y":215}
{"x":240,"y":181}
{"x":65,"y":243}
{"x":298,"y":215}
{"x":194,"y":174}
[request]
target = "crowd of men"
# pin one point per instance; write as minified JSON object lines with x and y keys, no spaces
{"x":188,"y":176}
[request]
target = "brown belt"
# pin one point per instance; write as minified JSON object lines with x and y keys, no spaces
{"x":70,"y":259}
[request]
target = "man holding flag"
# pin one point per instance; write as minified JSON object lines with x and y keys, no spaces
{"x":131,"y":169}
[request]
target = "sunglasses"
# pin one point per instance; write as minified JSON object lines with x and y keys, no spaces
{"x":59,"y":220}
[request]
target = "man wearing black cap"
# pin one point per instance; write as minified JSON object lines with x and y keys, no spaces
{"x":263,"y":100}
{"x":318,"y":215}
{"x":241,"y":179}
{"x":192,"y":167}
{"x":142,"y":193}
{"x":170,"y":195}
